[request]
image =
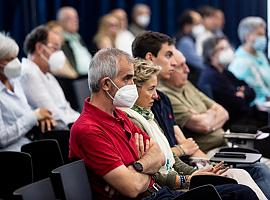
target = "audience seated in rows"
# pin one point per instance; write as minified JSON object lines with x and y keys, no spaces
{"x":172,"y":172}
{"x":114,"y":156}
{"x":202,"y":118}
{"x":42,"y":48}
{"x":250,"y":63}
{"x":74,"y":47}
{"x":16,"y":116}
{"x":233,"y":94}
{"x":158,"y":48}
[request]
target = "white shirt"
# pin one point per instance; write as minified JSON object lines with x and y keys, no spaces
{"x":43,"y":91}
{"x":124,"y":41}
{"x":16,"y":117}
{"x":200,"y":40}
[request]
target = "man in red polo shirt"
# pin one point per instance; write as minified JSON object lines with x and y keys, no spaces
{"x":104,"y":137}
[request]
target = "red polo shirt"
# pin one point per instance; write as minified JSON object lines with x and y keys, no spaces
{"x":104,"y":142}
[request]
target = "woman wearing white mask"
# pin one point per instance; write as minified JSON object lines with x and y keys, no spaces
{"x":40,"y":86}
{"x":233,"y":94}
{"x":250,"y":63}
{"x":16,"y":116}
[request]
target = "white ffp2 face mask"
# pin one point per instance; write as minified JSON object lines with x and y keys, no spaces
{"x":56,"y":61}
{"x":125,"y":97}
{"x":197,"y":30}
{"x":226,"y":57}
{"x":143,"y":20}
{"x":13,"y":69}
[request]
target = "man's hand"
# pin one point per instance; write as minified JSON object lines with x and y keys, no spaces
{"x":42,"y":113}
{"x":141,"y":147}
{"x":189,"y":146}
{"x":218,"y":169}
{"x":150,"y":154}
{"x":47,"y":124}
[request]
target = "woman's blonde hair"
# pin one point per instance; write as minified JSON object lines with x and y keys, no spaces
{"x":103,"y":29}
{"x":144,"y":70}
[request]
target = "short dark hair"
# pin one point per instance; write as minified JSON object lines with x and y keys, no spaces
{"x":209,"y":47}
{"x":38,"y":34}
{"x":185,"y":19}
{"x":206,"y":11}
{"x":149,"y":41}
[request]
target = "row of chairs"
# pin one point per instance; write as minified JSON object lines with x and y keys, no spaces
{"x":70,"y":182}
{"x":35,"y":162}
{"x":42,"y":159}
{"x":67,"y":182}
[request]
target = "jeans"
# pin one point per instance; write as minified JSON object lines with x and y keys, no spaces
{"x":260,"y":174}
{"x":236,"y":192}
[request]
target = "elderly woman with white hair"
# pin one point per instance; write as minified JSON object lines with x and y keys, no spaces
{"x":16,"y":116}
{"x":250,"y":63}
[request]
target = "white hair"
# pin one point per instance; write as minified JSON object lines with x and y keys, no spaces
{"x":8,"y":46}
{"x":105,"y":64}
{"x":61,"y":14}
{"x":247,"y":25}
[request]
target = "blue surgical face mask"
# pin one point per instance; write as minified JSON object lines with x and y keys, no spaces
{"x":260,"y":43}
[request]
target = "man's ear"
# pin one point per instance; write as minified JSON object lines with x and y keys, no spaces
{"x":149,"y":56}
{"x":105,"y":83}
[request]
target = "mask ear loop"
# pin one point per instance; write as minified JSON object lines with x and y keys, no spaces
{"x":114,"y":86}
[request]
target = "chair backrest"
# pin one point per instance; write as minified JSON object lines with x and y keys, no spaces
{"x":71,"y":181}
{"x":41,"y":190}
{"x":62,"y":137}
{"x":75,"y":90}
{"x":201,"y":192}
{"x":46,"y":156}
{"x":15,"y":171}
{"x":81,"y":89}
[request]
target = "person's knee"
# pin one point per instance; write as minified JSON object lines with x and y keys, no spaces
{"x":236,"y":191}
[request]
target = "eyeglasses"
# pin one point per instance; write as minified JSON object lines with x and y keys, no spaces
{"x":53,"y":47}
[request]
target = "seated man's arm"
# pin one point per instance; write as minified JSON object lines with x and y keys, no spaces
{"x":133,"y":181}
{"x":127,"y":181}
{"x":212,"y":119}
{"x":200,"y":123}
{"x":188,"y":145}
{"x":221,"y":115}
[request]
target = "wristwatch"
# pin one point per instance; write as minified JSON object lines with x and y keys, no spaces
{"x":138,"y":166}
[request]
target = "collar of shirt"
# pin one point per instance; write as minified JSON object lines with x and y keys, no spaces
{"x":106,"y":118}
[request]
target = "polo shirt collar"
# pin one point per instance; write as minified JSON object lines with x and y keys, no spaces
{"x":101,"y":115}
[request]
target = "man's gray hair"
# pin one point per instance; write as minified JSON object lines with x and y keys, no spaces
{"x":247,"y":25}
{"x":61,"y":13}
{"x":105,"y":64}
{"x":8,"y":46}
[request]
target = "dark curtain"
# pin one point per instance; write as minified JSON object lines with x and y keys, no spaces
{"x":18,"y":17}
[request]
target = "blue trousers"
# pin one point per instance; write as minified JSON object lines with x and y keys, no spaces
{"x":260,"y":174}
